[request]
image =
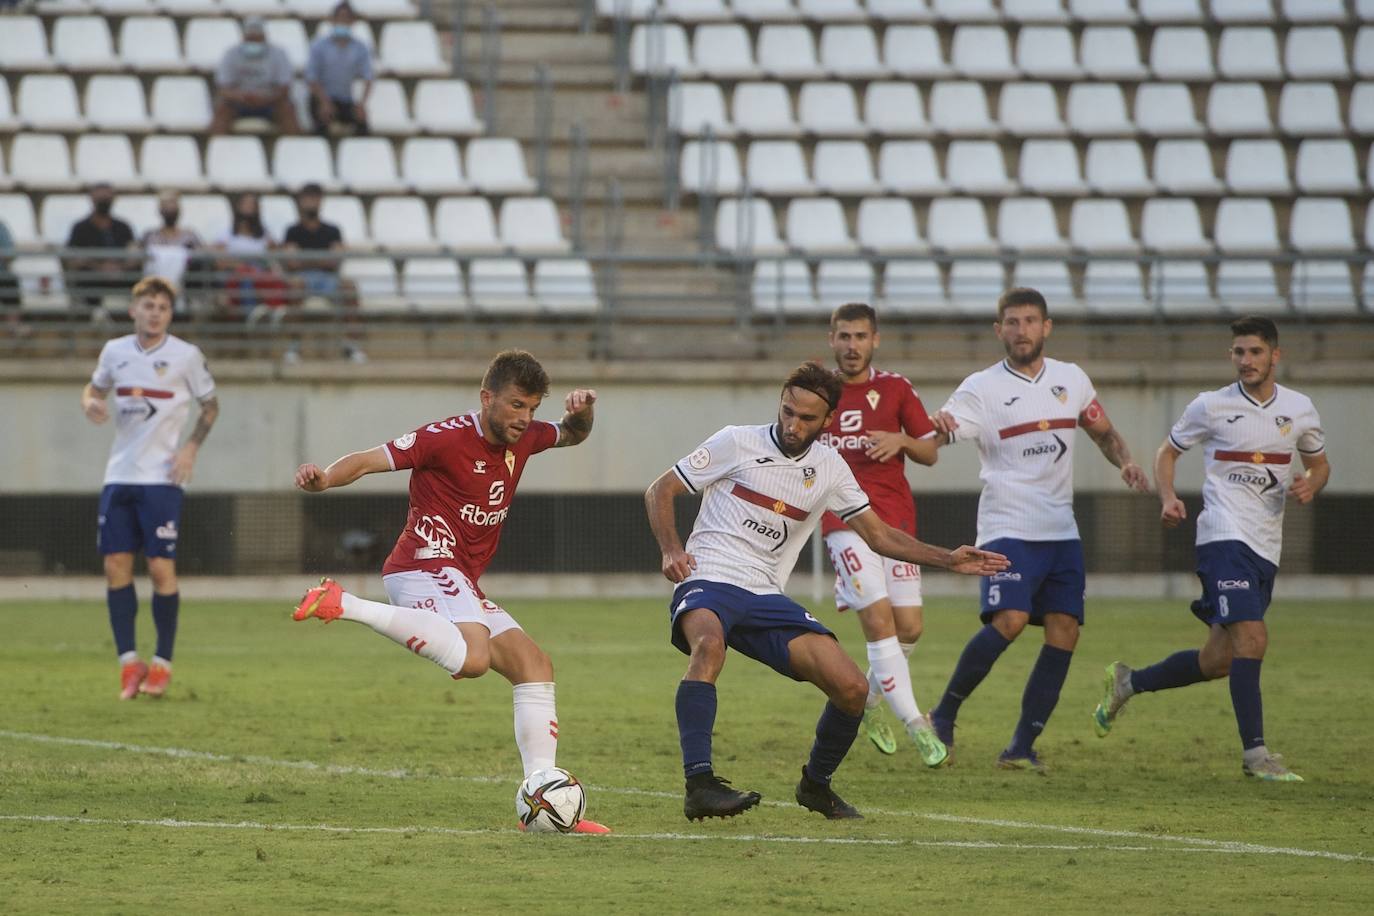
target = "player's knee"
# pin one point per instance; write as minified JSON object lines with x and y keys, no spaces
{"x":1214,"y":668}
{"x":851,"y":693}
{"x":709,"y":648}
{"x":1009,"y":623}
{"x":910,"y":631}
{"x":478,"y":661}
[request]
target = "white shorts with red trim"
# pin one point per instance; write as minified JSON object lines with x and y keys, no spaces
{"x":450,"y":594}
{"x":862,"y":577}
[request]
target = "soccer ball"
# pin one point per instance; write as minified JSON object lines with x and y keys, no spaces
{"x":550,"y":800}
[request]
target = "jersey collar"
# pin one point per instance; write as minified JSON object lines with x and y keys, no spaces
{"x":1025,"y":378}
{"x":773,"y":436}
{"x":1245,"y":394}
{"x":160,"y":344}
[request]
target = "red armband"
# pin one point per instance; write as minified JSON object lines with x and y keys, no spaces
{"x":1091,"y":414}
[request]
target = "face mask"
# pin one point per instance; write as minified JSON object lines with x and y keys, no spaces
{"x":170,"y":217}
{"x":103,"y":207}
{"x":254,"y":48}
{"x":342,"y":31}
{"x":310,"y":212}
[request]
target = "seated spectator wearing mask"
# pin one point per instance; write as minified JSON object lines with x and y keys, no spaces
{"x":253,"y":282}
{"x":336,"y":60}
{"x":320,"y":277}
{"x":90,"y":279}
{"x":171,"y":249}
{"x":254,"y":81}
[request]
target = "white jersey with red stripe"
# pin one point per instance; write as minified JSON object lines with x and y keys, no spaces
{"x":1024,"y":428}
{"x":759,"y":504}
{"x":150,"y":397}
{"x":1248,"y":448}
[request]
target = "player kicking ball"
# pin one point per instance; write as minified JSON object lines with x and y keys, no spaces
{"x":1249,"y":432}
{"x":464,"y":471}
{"x":764,"y":490}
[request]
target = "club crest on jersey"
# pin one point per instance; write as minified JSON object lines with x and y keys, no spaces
{"x":479,"y":467}
{"x":510,"y":461}
{"x":1061,"y":393}
{"x":160,"y":367}
{"x":700,"y":459}
{"x":872,"y":397}
{"x":404,"y":442}
{"x":808,"y":477}
{"x":1285,"y":425}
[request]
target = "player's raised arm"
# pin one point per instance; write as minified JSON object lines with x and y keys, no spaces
{"x":1172,"y":510}
{"x":576,"y":424}
{"x":341,"y":473}
{"x":658,"y":502}
{"x":897,"y":544}
{"x":1099,"y":428}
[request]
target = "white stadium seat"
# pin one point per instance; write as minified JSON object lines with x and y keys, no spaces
{"x":367,"y":165}
{"x":1028,"y":224}
{"x":1246,"y":226}
{"x":1041,"y":11}
{"x":433,"y":284}
{"x":1173,"y":227}
{"x":411,"y":49}
{"x":788,"y":52}
{"x":832,"y":10}
{"x":1166,"y":110}
{"x":1261,"y":11}
{"x":1320,"y":224}
{"x":532,"y":225}
{"x":289,"y":35}
{"x":108,"y":158}
{"x":851,"y":52}
{"x":467,"y":225}
{"x":784,"y":286}
{"x":974,"y":287}
{"x":297,"y":161}
{"x":1047,"y":52}
{"x":1181,"y":288}
{"x":1315,"y":53}
{"x":1098,"y":110}
{"x":965,"y":10}
{"x":1327,"y":167}
{"x":695,"y":108}
{"x":251,"y":7}
{"x":914,"y":286}
{"x":496,"y":165}
{"x":171,"y":161}
{"x":1309,"y":109}
{"x":1101,"y":226}
{"x":188,"y":8}
{"x":58,"y":213}
{"x":206,"y":40}
{"x":388,"y":112}
{"x":777,"y":167}
{"x":982,"y":52}
{"x":1322,"y":287}
{"x":375,"y":281}
{"x":41,"y":161}
{"x":1095,"y":11}
{"x":896,"y":10}
{"x":83,"y":43}
{"x":660,"y":49}
{"x":1238,"y":110}
{"x":1257,"y":167}
{"x":894,"y":109}
{"x":181,"y":103}
{"x":1111,"y":53}
{"x":977,"y":167}
{"x":1052,"y":280}
{"x":346,"y":212}
{"x":401,"y":223}
{"x":1181,"y":53}
{"x":1362,"y":109}
{"x":765,"y":10}
{"x":764,"y":110}
{"x":724,"y":52}
{"x":24,"y":44}
{"x":140,"y":211}
{"x":959,"y":225}
{"x":838,"y":282}
{"x":1249,"y":53}
{"x":151,"y":44}
{"x":909,"y":167}
{"x":1113,"y":288}
{"x":1164,"y":11}
{"x":116,"y":103}
{"x":829,"y":110}
{"x":914,"y":51}
{"x":431,"y":165}
{"x":16,"y":212}
{"x":1364,"y":52}
{"x":710,"y":167}
{"x":237,"y":164}
{"x":278,"y":213}
{"x":1185,"y":167}
{"x":8,"y":122}
{"x":1313,"y":10}
{"x":566,"y":285}
{"x":445,"y":107}
{"x":1249,"y":288}
{"x":695,"y":10}
{"x":1051,"y":167}
{"x":500,"y":285}
{"x":1030,"y":110}
{"x":747,"y":227}
{"x":629,"y":9}
{"x":367,"y":9}
{"x":960,"y":108}
{"x":207,"y":214}
{"x":844,"y":168}
{"x":887,"y":225}
{"x":48,"y":102}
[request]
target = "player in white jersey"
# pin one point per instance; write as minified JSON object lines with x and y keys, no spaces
{"x":1249,"y":432}
{"x":1022,"y":413}
{"x":154,"y":377}
{"x":764,"y":490}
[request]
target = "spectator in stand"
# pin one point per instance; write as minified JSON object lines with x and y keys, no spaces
{"x":91,"y":279}
{"x":336,"y":61}
{"x":9,"y":283}
{"x":254,"y":81}
{"x":254,"y":286}
{"x":317,"y":275}
{"x":170,"y":250}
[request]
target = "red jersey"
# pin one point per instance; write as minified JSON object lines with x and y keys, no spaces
{"x":885,"y":402}
{"x":460,"y":492}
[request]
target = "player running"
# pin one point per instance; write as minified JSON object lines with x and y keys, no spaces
{"x":464,"y":471}
{"x":879,"y":422}
{"x":154,"y":376}
{"x":1022,"y":412}
{"x":1248,"y":431}
{"x":765,"y":488}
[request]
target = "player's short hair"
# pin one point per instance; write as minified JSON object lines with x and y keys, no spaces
{"x":1257,"y":326}
{"x":154,"y":286}
{"x":854,"y":311}
{"x":818,"y":380}
{"x":518,"y":368}
{"x":1022,"y":295}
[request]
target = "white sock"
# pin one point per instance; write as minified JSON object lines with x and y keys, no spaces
{"x":907,"y":648}
{"x":536,"y":725}
{"x":888,"y":667}
{"x":159,"y":660}
{"x":423,"y":632}
{"x":128,"y":658}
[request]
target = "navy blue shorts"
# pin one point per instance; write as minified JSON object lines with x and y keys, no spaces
{"x":136,"y":517}
{"x":759,"y":626}
{"x":1237,"y":583}
{"x":1045,"y":577}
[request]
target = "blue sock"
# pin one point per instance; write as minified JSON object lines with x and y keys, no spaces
{"x":1178,"y":670}
{"x":981,"y":653}
{"x":1041,"y":695}
{"x":696,"y":714}
{"x":123,"y":607}
{"x":165,"y":619}
{"x":1245,"y":698}
{"x":835,"y":732}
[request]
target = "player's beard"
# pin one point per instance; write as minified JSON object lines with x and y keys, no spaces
{"x":1035,"y":351}
{"x":503,"y":431}
{"x":800,"y":449}
{"x":864,"y":363}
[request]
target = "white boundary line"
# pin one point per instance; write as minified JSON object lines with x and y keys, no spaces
{"x":1198,"y":843}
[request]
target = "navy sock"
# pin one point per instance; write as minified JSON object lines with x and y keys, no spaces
{"x":835,"y":732}
{"x":165,"y":619}
{"x":977,"y":659}
{"x":1178,"y":670}
{"x":123,"y":607}
{"x":1245,"y":698}
{"x":1041,"y":695}
{"x":696,"y":714}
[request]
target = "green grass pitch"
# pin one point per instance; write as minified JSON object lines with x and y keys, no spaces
{"x":298,"y":767}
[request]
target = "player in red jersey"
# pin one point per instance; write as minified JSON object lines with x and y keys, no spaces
{"x":879,"y":423}
{"x":464,"y":471}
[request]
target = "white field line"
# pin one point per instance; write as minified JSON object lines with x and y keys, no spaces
{"x":1232,"y":846}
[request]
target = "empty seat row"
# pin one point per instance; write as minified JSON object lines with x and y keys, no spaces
{"x":365,"y":165}
{"x":493,"y":285}
{"x":1113,"y":168}
{"x":960,"y":108}
{"x":959,"y":226}
{"x":1110,"y":288}
{"x":153,"y":44}
{"x":49,"y":102}
{"x":529,"y":225}
{"x":305,"y":9}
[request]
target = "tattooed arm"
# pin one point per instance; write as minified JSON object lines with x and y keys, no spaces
{"x":185,"y":458}
{"x":1113,"y":447}
{"x":576,"y":424}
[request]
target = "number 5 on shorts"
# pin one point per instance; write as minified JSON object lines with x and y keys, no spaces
{"x":994,"y":594}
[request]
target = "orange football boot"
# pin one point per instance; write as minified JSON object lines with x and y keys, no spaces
{"x":155,"y":684}
{"x":583,"y":826}
{"x":130,"y":678}
{"x":324,"y":601}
